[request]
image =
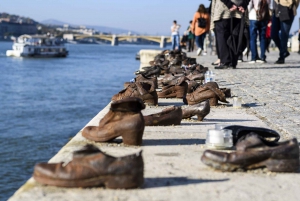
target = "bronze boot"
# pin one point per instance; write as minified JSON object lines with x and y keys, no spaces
{"x":139,"y":90}
{"x":90,"y":167}
{"x":169,"y":116}
{"x":201,"y":110}
{"x":253,"y":152}
{"x":123,"y":119}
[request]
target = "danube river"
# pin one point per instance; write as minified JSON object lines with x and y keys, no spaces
{"x":45,"y":102}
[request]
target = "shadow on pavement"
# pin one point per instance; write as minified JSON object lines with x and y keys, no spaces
{"x":170,"y":104}
{"x":175,"y":181}
{"x":229,"y":120}
{"x":157,"y":142}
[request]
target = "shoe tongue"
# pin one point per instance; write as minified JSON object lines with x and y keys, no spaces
{"x":250,"y":141}
{"x":86,"y":150}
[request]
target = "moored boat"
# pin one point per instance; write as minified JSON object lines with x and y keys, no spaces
{"x":37,"y":46}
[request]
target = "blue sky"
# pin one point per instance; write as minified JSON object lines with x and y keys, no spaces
{"x":143,"y":16}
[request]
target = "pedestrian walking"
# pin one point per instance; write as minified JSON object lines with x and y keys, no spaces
{"x":200,"y":26}
{"x":283,"y":15}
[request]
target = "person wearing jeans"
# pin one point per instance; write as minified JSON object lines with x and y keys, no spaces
{"x":200,"y":32}
{"x":260,"y":26}
{"x":175,"y":36}
{"x":281,"y":38}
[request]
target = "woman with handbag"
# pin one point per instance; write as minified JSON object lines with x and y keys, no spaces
{"x":283,"y":15}
{"x":200,"y":26}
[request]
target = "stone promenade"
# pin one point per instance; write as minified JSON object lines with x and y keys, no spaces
{"x":271,"y":91}
{"x":173,"y":170}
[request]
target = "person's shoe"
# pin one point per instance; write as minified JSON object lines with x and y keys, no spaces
{"x":253,"y":153}
{"x":252,"y":62}
{"x":169,"y":116}
{"x":280,"y":61}
{"x":240,"y":61}
{"x":201,"y":110}
{"x":262,"y":61}
{"x":216,"y":63}
{"x":199,"y":51}
{"x":139,"y":90}
{"x":222,"y":66}
{"x":286,"y":54}
{"x":90,"y":167}
{"x":123,"y":119}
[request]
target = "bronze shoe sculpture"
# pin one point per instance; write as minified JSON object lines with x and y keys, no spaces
{"x":176,"y":89}
{"x":209,"y":91}
{"x":139,"y":90}
{"x":254,"y":152}
{"x":90,"y":167}
{"x":264,"y":133}
{"x":169,"y":116}
{"x":123,"y":119}
{"x":143,"y":79}
{"x":201,"y":110}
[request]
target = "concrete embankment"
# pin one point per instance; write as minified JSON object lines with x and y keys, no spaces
{"x":173,"y":170}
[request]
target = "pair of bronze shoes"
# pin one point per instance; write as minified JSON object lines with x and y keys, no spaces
{"x":209,"y":91}
{"x":174,"y":88}
{"x":90,"y":167}
{"x":142,"y":90}
{"x":123,"y":119}
{"x":173,"y":115}
{"x":253,"y":151}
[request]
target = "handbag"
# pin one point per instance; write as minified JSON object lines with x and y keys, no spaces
{"x":284,"y":12}
{"x":201,"y":22}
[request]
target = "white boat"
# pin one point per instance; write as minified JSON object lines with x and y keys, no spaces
{"x":37,"y":46}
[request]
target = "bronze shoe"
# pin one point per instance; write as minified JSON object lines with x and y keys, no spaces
{"x":169,"y":116}
{"x":143,"y":79}
{"x":123,"y":119}
{"x":139,"y":90}
{"x":253,"y":152}
{"x":195,"y":75}
{"x":201,"y":110}
{"x":177,"y":90}
{"x":90,"y":167}
{"x":207,"y":91}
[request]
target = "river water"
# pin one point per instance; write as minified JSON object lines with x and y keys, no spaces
{"x":45,"y":102}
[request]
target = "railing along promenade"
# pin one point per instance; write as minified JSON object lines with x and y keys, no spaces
{"x":114,"y":39}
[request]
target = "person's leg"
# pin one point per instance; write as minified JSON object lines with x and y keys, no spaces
{"x":275,"y":31}
{"x":192,"y":44}
{"x":253,"y":38}
{"x":177,"y":38}
{"x":223,"y":29}
{"x":202,"y":38}
{"x":233,"y":56}
{"x":262,"y":39}
{"x":197,"y":38}
{"x":284,"y":36}
{"x":173,"y":42}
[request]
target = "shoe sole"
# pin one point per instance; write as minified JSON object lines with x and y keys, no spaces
{"x":114,"y":182}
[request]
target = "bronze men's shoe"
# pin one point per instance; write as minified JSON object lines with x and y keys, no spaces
{"x":201,"y":110}
{"x":143,"y":79}
{"x":139,"y":90}
{"x":123,"y":119}
{"x":241,"y":131}
{"x":177,"y":89}
{"x":91,"y":167}
{"x":209,"y":91}
{"x":195,"y":75}
{"x":169,"y":116}
{"x":254,"y":152}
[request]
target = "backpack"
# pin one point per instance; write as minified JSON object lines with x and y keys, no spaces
{"x":263,"y":13}
{"x":201,"y":22}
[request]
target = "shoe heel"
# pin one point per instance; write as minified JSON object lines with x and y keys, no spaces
{"x":283,"y":165}
{"x":134,"y":137}
{"x":125,"y":181}
{"x":200,"y":118}
{"x":213,"y":101}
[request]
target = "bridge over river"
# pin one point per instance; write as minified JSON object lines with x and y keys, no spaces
{"x":114,"y":39}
